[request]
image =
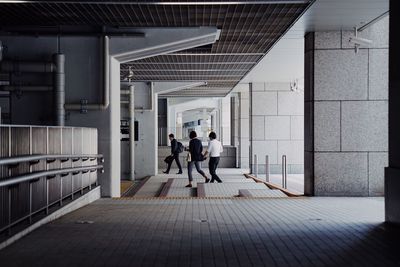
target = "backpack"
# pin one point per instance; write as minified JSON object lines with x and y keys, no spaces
{"x":180,"y":147}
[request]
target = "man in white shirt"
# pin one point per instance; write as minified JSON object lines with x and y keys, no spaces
{"x":214,"y":150}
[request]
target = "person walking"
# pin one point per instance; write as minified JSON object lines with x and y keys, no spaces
{"x":214,"y":150}
{"x":175,"y":150}
{"x":195,"y":157}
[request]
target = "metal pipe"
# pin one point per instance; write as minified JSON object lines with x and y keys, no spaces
{"x":106,"y":84}
{"x":255,"y":166}
{"x":132,"y":131}
{"x":27,"y":66}
{"x":28,"y":88}
{"x":284,"y":172}
{"x":59,"y":89}
{"x":21,"y":159}
{"x":267,"y":171}
{"x":1,"y":51}
{"x":33,"y":176}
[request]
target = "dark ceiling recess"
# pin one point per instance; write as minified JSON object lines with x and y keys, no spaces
{"x":248,"y":31}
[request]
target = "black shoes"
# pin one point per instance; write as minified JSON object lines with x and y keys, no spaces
{"x":207,"y":180}
{"x":165,"y":172}
{"x":189,"y":185}
{"x":180,"y":172}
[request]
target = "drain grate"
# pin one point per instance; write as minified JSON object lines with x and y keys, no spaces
{"x":84,"y":222}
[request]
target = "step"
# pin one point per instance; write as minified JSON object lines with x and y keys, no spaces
{"x":262,"y":193}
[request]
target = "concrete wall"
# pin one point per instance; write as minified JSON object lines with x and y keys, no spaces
{"x":147,"y":120}
{"x":83,"y":81}
{"x":346,"y":109}
{"x":277,"y":126}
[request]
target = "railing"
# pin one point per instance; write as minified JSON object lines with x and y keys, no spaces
{"x":41,"y":168}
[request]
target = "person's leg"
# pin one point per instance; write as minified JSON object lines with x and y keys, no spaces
{"x":216,"y":162}
{"x":199,"y":170}
{"x":178,"y":163}
{"x":190,"y":168}
{"x":169,"y":167}
{"x":211,"y":168}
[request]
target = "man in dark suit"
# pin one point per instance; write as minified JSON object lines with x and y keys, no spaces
{"x":174,"y":154}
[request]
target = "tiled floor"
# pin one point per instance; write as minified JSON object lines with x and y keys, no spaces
{"x":214,"y":232}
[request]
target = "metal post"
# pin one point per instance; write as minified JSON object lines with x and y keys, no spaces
{"x":9,"y":210}
{"x":255,"y":166}
{"x":47,"y":195}
{"x":267,"y":171}
{"x":30,"y":202}
{"x":61,"y":190}
{"x":284,"y":172}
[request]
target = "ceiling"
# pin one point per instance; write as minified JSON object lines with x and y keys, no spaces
{"x":285,"y":61}
{"x":249,"y":29}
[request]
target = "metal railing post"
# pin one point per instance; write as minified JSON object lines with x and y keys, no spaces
{"x":9,"y":209}
{"x":47,"y":195}
{"x":255,"y":166}
{"x":267,"y":171}
{"x":30,"y":202}
{"x":284,"y":172}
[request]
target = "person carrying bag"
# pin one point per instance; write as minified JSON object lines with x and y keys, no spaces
{"x":195,"y":156}
{"x":176,"y":148}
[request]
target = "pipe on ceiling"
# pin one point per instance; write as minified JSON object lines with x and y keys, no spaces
{"x":27,"y":66}
{"x":106,"y":85}
{"x":28,"y":88}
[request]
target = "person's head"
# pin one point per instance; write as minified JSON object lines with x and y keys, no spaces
{"x":171,"y":137}
{"x":192,"y":134}
{"x":212,"y":136}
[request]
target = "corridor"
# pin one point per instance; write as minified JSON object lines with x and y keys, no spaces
{"x":213,"y":232}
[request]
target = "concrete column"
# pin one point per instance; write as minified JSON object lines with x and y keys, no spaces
{"x":178,"y":125}
{"x":346,"y":113}
{"x":112,"y":186}
{"x":392,"y":173}
{"x":204,"y":124}
{"x":244,"y":143}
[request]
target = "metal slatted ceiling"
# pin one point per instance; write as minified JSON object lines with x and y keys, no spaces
{"x":248,"y":31}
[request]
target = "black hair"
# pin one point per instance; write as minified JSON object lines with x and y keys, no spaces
{"x":212,"y":135}
{"x":192,"y":134}
{"x":171,"y":135}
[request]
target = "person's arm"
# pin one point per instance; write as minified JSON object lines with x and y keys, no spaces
{"x":208,"y":149}
{"x":174,"y":144}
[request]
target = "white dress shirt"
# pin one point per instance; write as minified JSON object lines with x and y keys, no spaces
{"x":214,"y":148}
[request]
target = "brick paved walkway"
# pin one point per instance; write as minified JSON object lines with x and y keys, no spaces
{"x":214,"y":232}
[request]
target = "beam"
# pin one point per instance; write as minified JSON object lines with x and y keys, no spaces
{"x":157,"y":3}
{"x":187,"y":63}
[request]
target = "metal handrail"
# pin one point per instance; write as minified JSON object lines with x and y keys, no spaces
{"x":36,"y":157}
{"x":35,"y":175}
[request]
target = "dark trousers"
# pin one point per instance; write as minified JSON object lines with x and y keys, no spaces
{"x":190,"y":169}
{"x":212,"y":167}
{"x":176,"y":158}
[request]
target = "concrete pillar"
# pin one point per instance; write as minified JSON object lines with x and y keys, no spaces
{"x":392,"y":173}
{"x":244,"y":134}
{"x":204,"y":127}
{"x":346,"y":116}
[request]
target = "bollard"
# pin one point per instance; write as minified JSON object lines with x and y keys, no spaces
{"x":284,"y":172}
{"x":267,"y":168}
{"x":255,"y":166}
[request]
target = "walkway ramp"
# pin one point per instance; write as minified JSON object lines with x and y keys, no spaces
{"x":234,"y":185}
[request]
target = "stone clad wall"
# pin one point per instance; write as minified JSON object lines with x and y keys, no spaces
{"x":277,"y":126}
{"x":346,"y":106}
